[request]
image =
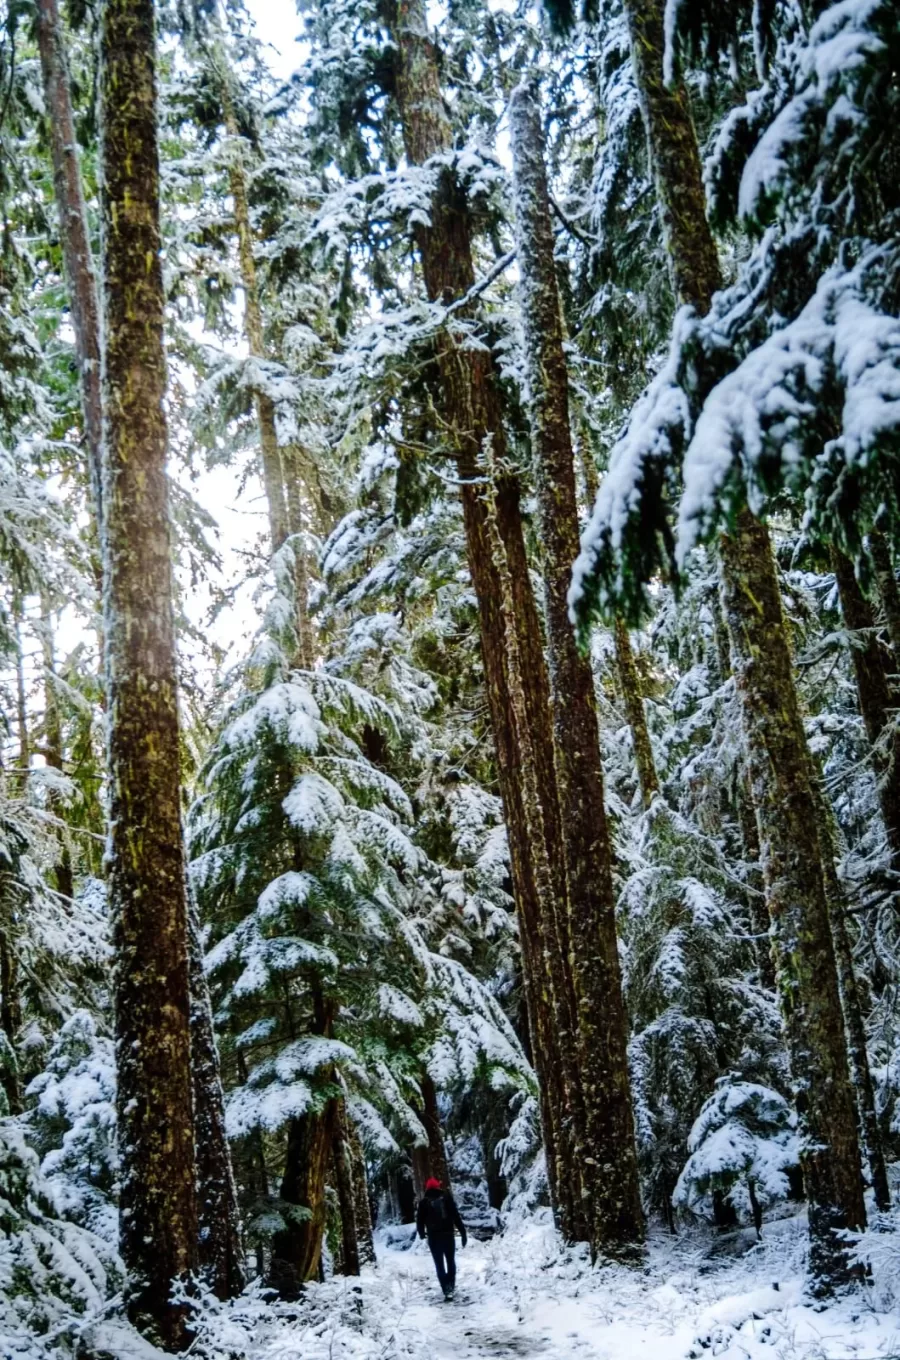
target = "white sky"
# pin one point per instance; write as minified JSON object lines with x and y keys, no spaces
{"x":278,"y":24}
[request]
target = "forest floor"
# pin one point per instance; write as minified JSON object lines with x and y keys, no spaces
{"x":520,"y":1295}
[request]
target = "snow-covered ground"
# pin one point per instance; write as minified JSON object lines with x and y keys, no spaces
{"x":520,"y":1295}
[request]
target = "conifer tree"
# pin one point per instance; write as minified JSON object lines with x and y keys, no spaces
{"x":615,"y":1193}
{"x":777,"y":756}
{"x":158,"y":1199}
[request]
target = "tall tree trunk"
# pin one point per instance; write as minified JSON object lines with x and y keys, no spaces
{"x":850,"y":999}
{"x":362,"y":1202}
{"x":876,"y":698}
{"x":53,"y":749}
{"x":10,"y":1017}
{"x":306,"y":638}
{"x":888,"y":594}
{"x":630,"y":684}
{"x":626,"y":669}
{"x":613,"y":1184}
{"x":473,"y":420}
{"x":24,"y":757}
{"x":757,"y":909}
{"x":273,"y":472}
{"x":221,"y":1250}
{"x":567,"y":1122}
{"x":342,"y":1162}
{"x":720,"y":666}
{"x":75,"y":238}
{"x":158,"y":1220}
{"x":789,"y":823}
{"x":420,"y":1166}
{"x":777,"y":753}
{"x":431,"y":1118}
{"x":297,"y":1249}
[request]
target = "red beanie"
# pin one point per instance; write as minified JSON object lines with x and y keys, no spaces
{"x":432,"y":1184}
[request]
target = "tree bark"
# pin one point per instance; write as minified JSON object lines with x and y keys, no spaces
{"x":757,"y":909}
{"x":612,"y":1181}
{"x":472,"y":417}
{"x":10,"y":1017}
{"x":857,"y":1047}
{"x":342,"y":1162}
{"x":306,"y":637}
{"x":777,"y":754}
{"x":158,"y":1202}
{"x":53,"y":750}
{"x":626,"y":669}
{"x":792,"y":860}
{"x":876,"y":698}
{"x":888,"y":594}
{"x":297,"y":1249}
{"x":273,"y":472}
{"x":221,"y":1250}
{"x":24,"y":736}
{"x":75,"y":238}
{"x":362,"y":1202}
{"x":438,"y":1164}
{"x":630,"y":683}
{"x":568,"y":1121}
{"x":675,"y":157}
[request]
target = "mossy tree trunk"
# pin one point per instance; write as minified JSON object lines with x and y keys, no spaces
{"x":777,"y":754}
{"x":568,"y":1145}
{"x":611,"y":1176}
{"x":789,"y":823}
{"x":719,"y":661}
{"x":158,"y":1201}
{"x":472,"y":417}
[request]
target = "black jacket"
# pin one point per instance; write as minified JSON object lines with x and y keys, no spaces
{"x":438,"y":1215}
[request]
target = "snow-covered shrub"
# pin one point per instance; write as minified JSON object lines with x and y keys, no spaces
{"x":73,"y":1125}
{"x":744,"y":1148}
{"x":696,"y":1008}
{"x":878,"y":1250}
{"x":51,"y":1271}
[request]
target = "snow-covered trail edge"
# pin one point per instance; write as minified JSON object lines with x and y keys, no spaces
{"x":524,"y":1295}
{"x":521,"y":1296}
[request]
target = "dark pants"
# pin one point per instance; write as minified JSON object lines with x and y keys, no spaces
{"x":443,"y":1249}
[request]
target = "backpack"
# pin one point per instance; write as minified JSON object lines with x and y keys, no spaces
{"x":438,"y":1218}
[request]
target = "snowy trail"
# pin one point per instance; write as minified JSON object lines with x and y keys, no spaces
{"x":478,"y":1322}
{"x":520,"y":1296}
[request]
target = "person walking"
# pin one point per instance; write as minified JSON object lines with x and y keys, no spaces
{"x":438,"y":1218}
